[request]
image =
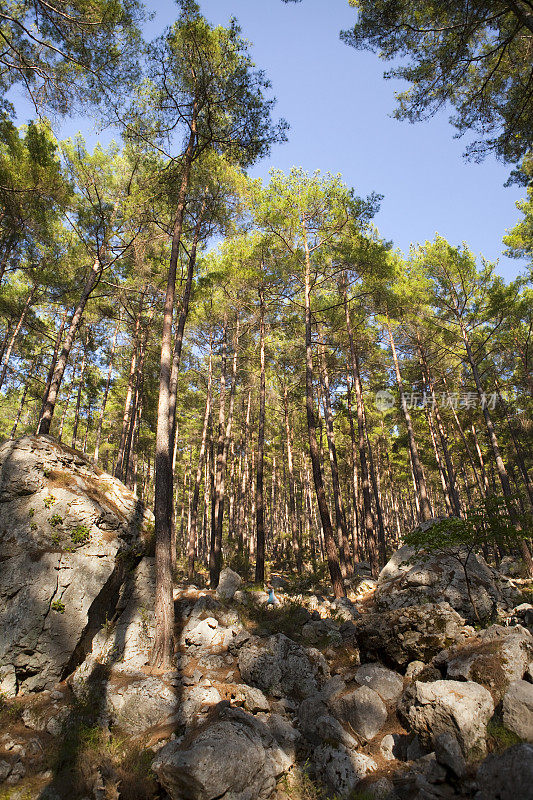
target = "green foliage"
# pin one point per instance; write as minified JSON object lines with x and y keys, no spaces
{"x":486,"y":523}
{"x":55,"y":520}
{"x":80,"y":535}
{"x":473,"y":56}
{"x":58,"y":606}
{"x":49,"y":501}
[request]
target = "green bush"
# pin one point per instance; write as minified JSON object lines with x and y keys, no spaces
{"x":80,"y":535}
{"x":58,"y":606}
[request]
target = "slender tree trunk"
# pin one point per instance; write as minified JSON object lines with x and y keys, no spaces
{"x":425,"y":508}
{"x":106,"y":391}
{"x":120,"y":471}
{"x":454,"y":498}
{"x":292,"y":500}
{"x":500,"y":466}
{"x":15,"y":333}
{"x":23,"y":399}
{"x":78,"y":399}
{"x":182,"y":319}
{"x":49,"y":401}
{"x":329,"y":538}
{"x":340,"y":513}
{"x":54,"y":357}
{"x":163,"y":647}
{"x":215,"y":554}
{"x":370,"y":534}
{"x":191,"y":550}
{"x":259,"y":494}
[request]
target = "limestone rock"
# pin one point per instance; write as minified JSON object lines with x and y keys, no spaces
{"x":508,"y":776}
{"x":409,"y":579}
{"x":448,"y":754}
{"x":67,"y":534}
{"x":8,"y":681}
{"x":282,"y":668}
{"x":494,"y":657}
{"x":460,"y":708}
{"x":228,"y":583}
{"x":363,"y":709}
{"x":236,"y":757}
{"x":388,"y":684}
{"x":415,"y":633}
{"x":341,"y":769}
{"x":517,"y":709}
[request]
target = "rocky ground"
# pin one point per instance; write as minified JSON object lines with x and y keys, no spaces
{"x":392,"y":693}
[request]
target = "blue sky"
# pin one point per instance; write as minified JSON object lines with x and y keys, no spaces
{"x":338,"y":106}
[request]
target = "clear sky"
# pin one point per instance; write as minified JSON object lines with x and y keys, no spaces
{"x":338,"y":106}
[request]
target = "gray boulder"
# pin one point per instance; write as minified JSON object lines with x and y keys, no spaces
{"x":410,"y":634}
{"x":448,"y":753}
{"x":495,"y":657}
{"x":341,"y":769}
{"x":363,"y":709}
{"x":460,"y":708}
{"x":517,"y":709}
{"x":68,"y":535}
{"x":508,"y":776}
{"x":281,"y":667}
{"x":388,"y":684}
{"x":409,"y":579}
{"x":234,"y":757}
{"x":228,"y":584}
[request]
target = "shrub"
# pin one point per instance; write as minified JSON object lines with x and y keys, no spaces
{"x":58,"y":606}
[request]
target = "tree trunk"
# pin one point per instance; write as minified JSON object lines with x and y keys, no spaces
{"x":50,"y":399}
{"x":340,"y":514}
{"x":106,"y":391}
{"x":15,"y":333}
{"x":54,"y":357}
{"x":331,"y":547}
{"x":163,"y":647}
{"x":78,"y":399}
{"x":259,"y":493}
{"x":500,"y":466}
{"x":425,"y":508}
{"x":191,"y":550}
{"x":292,"y":500}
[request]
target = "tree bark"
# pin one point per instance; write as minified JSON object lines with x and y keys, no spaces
{"x":259,"y":493}
{"x":50,"y":399}
{"x":191,"y":549}
{"x":425,"y":508}
{"x":163,"y":647}
{"x":329,"y":538}
{"x":106,"y":391}
{"x":15,"y":333}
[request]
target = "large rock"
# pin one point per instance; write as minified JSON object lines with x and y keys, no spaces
{"x":130,"y":639}
{"x":460,"y":708}
{"x":494,"y":657}
{"x":282,"y":668}
{"x":388,"y":684}
{"x":68,"y":535}
{"x":508,"y":776}
{"x":409,"y":579}
{"x":234,"y":757}
{"x":363,"y":709}
{"x":517,"y":709}
{"x":228,"y":584}
{"x":410,"y":634}
{"x":341,"y":769}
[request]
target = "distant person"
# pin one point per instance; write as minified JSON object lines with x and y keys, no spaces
{"x":272,"y":599}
